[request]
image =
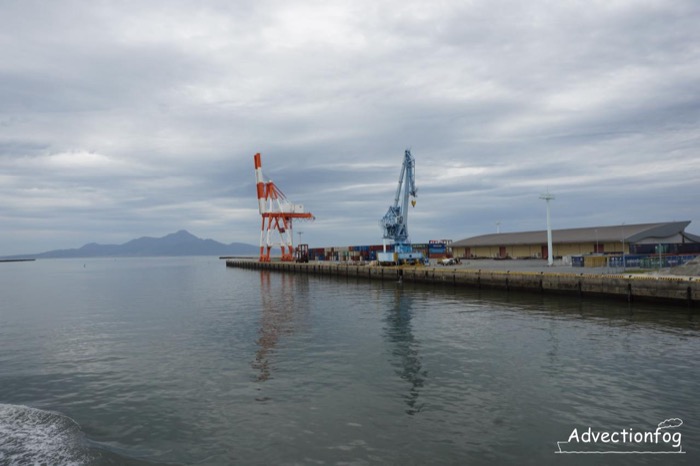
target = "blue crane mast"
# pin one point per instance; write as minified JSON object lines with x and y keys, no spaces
{"x":395,"y":221}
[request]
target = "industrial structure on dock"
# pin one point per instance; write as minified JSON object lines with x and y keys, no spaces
{"x":617,"y":245}
{"x":606,"y":243}
{"x":394,"y":224}
{"x":435,"y":249}
{"x":646,"y":238}
{"x":278,"y":214}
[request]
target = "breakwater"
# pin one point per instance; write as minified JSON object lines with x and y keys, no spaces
{"x":629,"y":287}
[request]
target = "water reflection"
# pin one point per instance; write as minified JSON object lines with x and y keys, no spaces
{"x":602,"y":311}
{"x":280,"y":305}
{"x":405,"y":355}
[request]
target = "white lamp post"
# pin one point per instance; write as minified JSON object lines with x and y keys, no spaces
{"x":550,"y":252}
{"x":623,"y":246}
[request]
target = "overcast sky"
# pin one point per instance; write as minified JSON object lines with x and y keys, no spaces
{"x":123,"y":119}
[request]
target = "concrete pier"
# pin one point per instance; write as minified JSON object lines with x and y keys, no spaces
{"x":628,"y":287}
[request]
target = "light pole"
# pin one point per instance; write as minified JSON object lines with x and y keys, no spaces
{"x":299,"y":233}
{"x":498,"y":227}
{"x":596,"y":241}
{"x":548,"y":197}
{"x":623,"y":246}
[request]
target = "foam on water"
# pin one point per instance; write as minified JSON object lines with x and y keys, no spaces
{"x":34,"y":436}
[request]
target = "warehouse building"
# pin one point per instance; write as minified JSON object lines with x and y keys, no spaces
{"x":647,"y":238}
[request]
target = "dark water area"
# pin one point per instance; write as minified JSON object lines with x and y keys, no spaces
{"x":184,"y":361}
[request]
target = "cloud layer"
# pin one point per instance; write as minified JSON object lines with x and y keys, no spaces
{"x":122,"y":119}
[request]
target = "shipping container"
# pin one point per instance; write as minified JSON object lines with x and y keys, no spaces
{"x":595,"y":261}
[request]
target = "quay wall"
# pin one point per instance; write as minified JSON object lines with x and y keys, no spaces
{"x":629,"y":287}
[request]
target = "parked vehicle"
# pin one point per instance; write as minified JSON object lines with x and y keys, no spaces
{"x":449,"y":261}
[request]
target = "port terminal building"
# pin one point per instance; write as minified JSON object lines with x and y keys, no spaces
{"x":646,"y":238}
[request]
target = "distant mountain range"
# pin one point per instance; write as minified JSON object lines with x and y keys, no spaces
{"x":182,"y":243}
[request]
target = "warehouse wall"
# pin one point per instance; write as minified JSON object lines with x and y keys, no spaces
{"x":535,"y":250}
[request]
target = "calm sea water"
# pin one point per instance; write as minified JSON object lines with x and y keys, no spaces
{"x":183,"y":361}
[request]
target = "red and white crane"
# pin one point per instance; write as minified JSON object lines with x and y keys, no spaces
{"x":277,"y":214}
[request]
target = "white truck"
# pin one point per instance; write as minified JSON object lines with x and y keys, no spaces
{"x":448,"y":261}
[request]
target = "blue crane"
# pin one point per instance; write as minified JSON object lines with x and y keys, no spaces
{"x":395,"y":221}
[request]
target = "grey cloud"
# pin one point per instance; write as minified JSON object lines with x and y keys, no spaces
{"x":498,"y":101}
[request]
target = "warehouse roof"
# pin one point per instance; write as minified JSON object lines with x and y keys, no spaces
{"x":630,"y":233}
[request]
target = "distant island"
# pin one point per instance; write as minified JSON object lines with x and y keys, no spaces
{"x":181,"y":243}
